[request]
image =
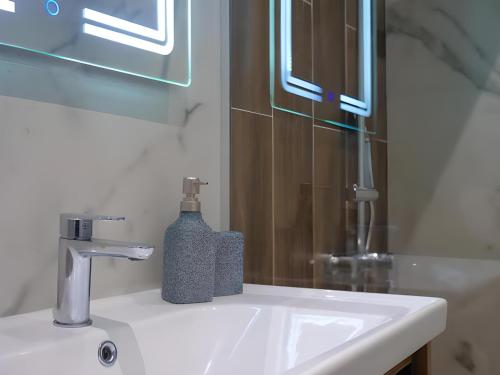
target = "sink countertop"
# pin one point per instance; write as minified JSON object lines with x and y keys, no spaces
{"x":266,"y":330}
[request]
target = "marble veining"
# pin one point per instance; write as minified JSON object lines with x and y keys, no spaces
{"x":464,"y":356}
{"x":188,"y":113}
{"x":442,"y":33}
{"x":147,"y":152}
{"x":443,"y":87}
{"x":106,"y":144}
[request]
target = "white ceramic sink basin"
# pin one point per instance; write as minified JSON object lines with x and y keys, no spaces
{"x":267,"y":330}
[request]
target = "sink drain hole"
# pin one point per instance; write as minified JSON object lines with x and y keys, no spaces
{"x":107,"y":353}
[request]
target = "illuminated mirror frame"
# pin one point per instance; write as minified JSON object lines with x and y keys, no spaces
{"x":359,"y":106}
{"x":290,"y":83}
{"x":8,"y":6}
{"x":164,"y":34}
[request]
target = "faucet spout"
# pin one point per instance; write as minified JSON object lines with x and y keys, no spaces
{"x":76,"y":250}
{"x":115,"y":249}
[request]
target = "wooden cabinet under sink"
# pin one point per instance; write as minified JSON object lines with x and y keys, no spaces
{"x":416,"y":364}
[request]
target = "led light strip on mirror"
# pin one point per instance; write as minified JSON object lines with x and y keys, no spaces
{"x":8,"y":6}
{"x":164,"y":33}
{"x":144,"y":38}
{"x":359,"y":106}
{"x":290,"y":83}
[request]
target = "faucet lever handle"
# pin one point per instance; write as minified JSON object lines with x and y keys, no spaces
{"x":79,"y":226}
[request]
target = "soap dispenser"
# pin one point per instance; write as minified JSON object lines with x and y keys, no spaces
{"x":189,"y":252}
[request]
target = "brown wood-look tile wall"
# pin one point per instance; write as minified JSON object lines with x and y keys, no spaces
{"x":378,"y":122}
{"x":379,"y":162}
{"x":329,"y":199}
{"x":379,"y":242}
{"x":351,"y":62}
{"x":351,"y":155}
{"x":329,"y":43}
{"x":250,"y":55}
{"x":352,"y":13}
{"x":380,"y":231}
{"x":302,"y":56}
{"x":293,"y":153}
{"x":251,"y":192}
{"x":290,"y":174}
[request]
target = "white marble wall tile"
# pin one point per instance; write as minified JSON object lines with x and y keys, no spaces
{"x":58,"y":158}
{"x":443,"y":82}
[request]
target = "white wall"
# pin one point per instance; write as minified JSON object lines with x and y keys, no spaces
{"x":104,"y":144}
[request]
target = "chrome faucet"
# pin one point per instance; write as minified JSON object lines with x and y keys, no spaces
{"x":76,"y":249}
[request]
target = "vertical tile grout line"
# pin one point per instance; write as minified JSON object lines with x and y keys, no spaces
{"x":273,"y":210}
{"x":273,"y":169}
{"x":346,"y":81}
{"x":313,"y":159}
{"x":346,"y":134}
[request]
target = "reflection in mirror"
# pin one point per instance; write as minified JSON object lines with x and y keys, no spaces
{"x":336,"y":74}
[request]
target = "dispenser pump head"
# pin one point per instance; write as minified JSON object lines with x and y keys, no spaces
{"x":191,"y":188}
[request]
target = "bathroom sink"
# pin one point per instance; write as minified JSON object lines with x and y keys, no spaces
{"x":266,"y":330}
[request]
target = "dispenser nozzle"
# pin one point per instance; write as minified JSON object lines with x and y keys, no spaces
{"x":190,"y":188}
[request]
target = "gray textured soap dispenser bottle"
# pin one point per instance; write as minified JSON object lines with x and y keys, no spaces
{"x":189,"y":252}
